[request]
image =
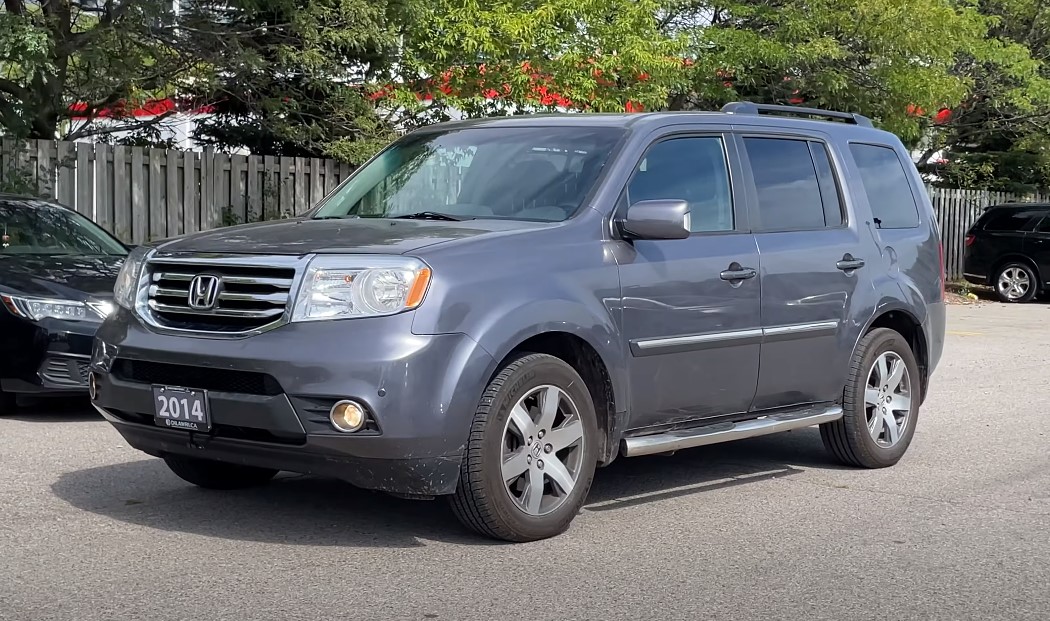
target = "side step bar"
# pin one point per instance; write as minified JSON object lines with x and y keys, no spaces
{"x":671,"y":441}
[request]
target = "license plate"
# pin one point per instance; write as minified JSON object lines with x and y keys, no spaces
{"x":181,"y":408}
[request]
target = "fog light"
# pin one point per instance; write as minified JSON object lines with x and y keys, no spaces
{"x":92,"y":386}
{"x":347,"y":416}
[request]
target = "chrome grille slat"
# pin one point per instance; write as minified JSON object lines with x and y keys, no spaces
{"x":253,"y":293}
{"x":272,"y":298}
{"x":219,"y":312}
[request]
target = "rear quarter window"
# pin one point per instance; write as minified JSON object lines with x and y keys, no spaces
{"x":887,"y":186}
{"x":1006,"y":220}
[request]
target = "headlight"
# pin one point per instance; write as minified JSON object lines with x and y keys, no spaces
{"x":126,"y":288}
{"x":42,"y":308}
{"x":342,"y":287}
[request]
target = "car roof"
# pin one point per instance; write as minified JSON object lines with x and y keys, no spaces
{"x":28,"y":202}
{"x":655,"y":120}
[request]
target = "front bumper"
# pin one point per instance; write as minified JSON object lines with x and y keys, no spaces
{"x":270,"y":395}
{"x":49,"y":357}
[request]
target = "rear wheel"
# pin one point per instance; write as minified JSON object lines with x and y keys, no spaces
{"x":1016,"y":282}
{"x":212,"y":474}
{"x":531,"y":454}
{"x":880,"y":403}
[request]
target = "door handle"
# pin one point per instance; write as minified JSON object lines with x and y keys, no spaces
{"x":848,"y":263}
{"x":737,"y":273}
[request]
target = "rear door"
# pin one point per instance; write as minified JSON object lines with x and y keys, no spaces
{"x":691,"y":306}
{"x":812,"y":261}
{"x":1037,"y":246}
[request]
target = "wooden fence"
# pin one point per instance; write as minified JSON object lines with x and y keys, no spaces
{"x":141,"y":193}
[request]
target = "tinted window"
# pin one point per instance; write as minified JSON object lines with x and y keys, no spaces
{"x":789,"y":196}
{"x":829,"y":189}
{"x":887,"y":186}
{"x":1044,"y":225}
{"x":689,"y":169}
{"x":34,"y":227}
{"x":1010,"y":219}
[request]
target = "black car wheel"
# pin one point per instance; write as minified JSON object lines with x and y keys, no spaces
{"x":212,"y":474}
{"x":880,"y":403}
{"x":1015,"y":282}
{"x":531,"y":454}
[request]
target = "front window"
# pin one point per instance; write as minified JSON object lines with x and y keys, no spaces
{"x":39,"y":228}
{"x":534,"y":173}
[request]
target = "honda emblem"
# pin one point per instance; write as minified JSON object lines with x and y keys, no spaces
{"x":204,"y":292}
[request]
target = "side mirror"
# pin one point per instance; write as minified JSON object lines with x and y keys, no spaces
{"x":658,"y":219}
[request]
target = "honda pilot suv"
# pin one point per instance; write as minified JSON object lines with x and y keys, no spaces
{"x":489,"y":310}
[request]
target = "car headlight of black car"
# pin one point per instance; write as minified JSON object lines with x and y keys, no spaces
{"x":126,"y":289}
{"x":36,"y":309}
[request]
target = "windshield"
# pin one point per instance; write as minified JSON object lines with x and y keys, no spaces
{"x":35,"y":227}
{"x":529,"y":173}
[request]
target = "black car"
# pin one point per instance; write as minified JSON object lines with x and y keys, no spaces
{"x":57,"y":270}
{"x":1008,"y":248}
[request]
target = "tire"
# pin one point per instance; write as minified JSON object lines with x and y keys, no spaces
{"x":850,"y":439}
{"x":212,"y":474}
{"x":483,"y":501}
{"x":1015,"y":283}
{"x":8,"y":403}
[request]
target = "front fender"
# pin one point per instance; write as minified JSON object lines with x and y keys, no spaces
{"x":502,"y":333}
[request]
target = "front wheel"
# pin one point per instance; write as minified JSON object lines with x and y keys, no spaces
{"x":212,"y":474}
{"x":880,"y":404}
{"x":531,"y":454}
{"x":1016,"y":282}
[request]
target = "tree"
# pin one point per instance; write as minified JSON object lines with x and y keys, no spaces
{"x":462,"y":57}
{"x":292,"y":79}
{"x":60,"y":58}
{"x":882,"y":58}
{"x":998,"y":137}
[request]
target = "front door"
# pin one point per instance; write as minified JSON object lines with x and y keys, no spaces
{"x":1037,"y":246}
{"x":812,"y":261}
{"x":691,"y":306}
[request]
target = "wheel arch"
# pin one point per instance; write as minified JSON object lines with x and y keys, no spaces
{"x":582,"y":355}
{"x":903,"y":321}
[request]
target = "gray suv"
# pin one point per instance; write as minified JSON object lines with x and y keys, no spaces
{"x":489,"y":310}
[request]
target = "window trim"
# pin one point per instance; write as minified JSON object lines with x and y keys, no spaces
{"x":836,"y":172}
{"x":915,"y":199}
{"x":741,"y":218}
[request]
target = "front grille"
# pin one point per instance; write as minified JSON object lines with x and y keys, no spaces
{"x":65,"y":371}
{"x":204,"y":378}
{"x":247,"y":296}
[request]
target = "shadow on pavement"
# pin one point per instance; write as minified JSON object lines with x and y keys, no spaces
{"x":54,"y":410}
{"x":303,"y":510}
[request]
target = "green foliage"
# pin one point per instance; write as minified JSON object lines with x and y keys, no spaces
{"x":107,"y":55}
{"x":535,"y":55}
{"x":291,"y":80}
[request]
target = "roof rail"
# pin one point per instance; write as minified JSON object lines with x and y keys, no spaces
{"x":747,"y":107}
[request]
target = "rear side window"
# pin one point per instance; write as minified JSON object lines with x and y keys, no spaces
{"x":887,"y":187}
{"x":1005,"y":220}
{"x":795,"y":184}
{"x":1044,"y":225}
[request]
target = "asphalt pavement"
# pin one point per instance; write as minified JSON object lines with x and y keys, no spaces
{"x":768,"y":528}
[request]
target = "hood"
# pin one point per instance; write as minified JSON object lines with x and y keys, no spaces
{"x":60,"y":276}
{"x":364,"y":235}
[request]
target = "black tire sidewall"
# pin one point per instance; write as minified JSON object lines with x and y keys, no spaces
{"x":1027,"y":297}
{"x":537,"y":371}
{"x":878,"y":342}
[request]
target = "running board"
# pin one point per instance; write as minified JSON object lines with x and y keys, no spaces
{"x":671,"y":441}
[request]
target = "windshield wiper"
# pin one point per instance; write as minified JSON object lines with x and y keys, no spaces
{"x":430,"y":215}
{"x":335,"y":217}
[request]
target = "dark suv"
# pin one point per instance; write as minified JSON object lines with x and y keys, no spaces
{"x":1008,"y":248}
{"x":490,"y":309}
